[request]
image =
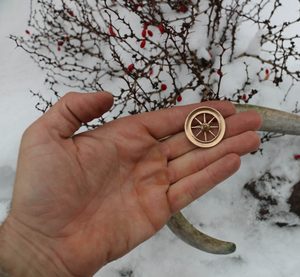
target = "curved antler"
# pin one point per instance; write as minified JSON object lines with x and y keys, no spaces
{"x":184,"y":230}
{"x":273,"y":121}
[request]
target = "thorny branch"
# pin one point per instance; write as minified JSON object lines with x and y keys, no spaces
{"x":142,"y":50}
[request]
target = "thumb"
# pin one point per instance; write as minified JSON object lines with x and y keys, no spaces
{"x":73,"y":109}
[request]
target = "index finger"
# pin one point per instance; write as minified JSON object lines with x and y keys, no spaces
{"x":170,"y":121}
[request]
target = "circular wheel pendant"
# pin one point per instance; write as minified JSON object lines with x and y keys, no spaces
{"x":205,"y":127}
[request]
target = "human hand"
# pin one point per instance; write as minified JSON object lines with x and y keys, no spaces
{"x":83,"y":200}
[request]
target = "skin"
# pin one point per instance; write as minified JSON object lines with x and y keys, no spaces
{"x":81,"y":201}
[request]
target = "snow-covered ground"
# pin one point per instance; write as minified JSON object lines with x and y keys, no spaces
{"x":263,"y":249}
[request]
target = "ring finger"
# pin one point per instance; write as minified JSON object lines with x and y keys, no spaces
{"x":200,"y":158}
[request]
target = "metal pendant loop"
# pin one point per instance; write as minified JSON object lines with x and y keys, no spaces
{"x":205,"y":127}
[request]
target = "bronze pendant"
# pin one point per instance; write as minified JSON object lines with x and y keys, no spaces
{"x":205,"y":127}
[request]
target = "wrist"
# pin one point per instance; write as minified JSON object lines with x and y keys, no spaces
{"x":26,"y":253}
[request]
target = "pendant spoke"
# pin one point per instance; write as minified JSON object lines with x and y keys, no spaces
{"x":211,"y":120}
{"x":198,"y":121}
{"x":197,"y":127}
{"x":205,"y":136}
{"x":199,"y":133}
{"x":212,"y":133}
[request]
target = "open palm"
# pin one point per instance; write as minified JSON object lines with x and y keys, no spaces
{"x":94,"y":196}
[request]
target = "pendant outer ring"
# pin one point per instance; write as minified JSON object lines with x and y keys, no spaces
{"x":188,"y":126}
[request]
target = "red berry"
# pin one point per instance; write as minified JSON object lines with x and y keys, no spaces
{"x":179,"y":98}
{"x":27,"y":32}
{"x":183,"y":9}
{"x":146,"y":25}
{"x":164,"y":87}
{"x":58,"y":48}
{"x":70,"y":12}
{"x":161,"y":28}
{"x":60,"y":43}
{"x":111,"y":31}
{"x":130,"y":67}
{"x":151,"y":71}
{"x":267,"y":74}
{"x":297,"y":157}
{"x":143,"y":43}
{"x":244,"y":97}
{"x":219,"y":72}
{"x":150,"y":33}
{"x":144,"y":33}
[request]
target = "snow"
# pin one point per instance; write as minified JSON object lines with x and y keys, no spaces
{"x":263,"y":249}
